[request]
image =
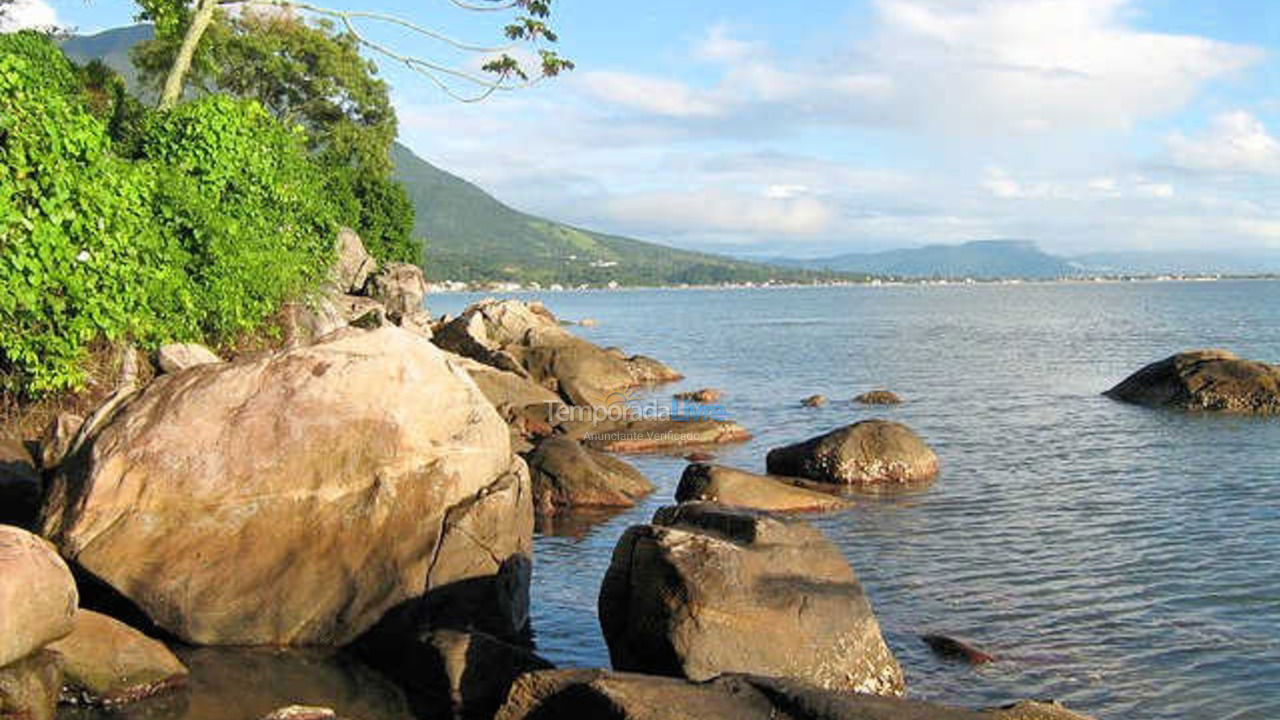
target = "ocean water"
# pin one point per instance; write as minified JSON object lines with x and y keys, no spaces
{"x":1123,"y":560}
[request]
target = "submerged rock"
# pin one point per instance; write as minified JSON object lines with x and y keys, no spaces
{"x":297,"y":497}
{"x":705,"y":395}
{"x":953,"y":649}
{"x":867,"y":452}
{"x":565,"y":474}
{"x":1214,"y":380}
{"x":605,"y":695}
{"x":878,"y":397}
{"x":38,"y":596}
{"x":705,"y":590}
{"x":739,"y":488}
{"x":814,"y":401}
{"x":106,"y":662}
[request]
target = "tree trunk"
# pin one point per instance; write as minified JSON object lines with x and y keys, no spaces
{"x":176,"y":80}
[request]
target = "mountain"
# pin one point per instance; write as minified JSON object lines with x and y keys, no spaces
{"x":982,"y":259}
{"x":471,"y":236}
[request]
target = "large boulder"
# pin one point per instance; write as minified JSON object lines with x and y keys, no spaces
{"x":706,"y":590}
{"x":866,"y":453}
{"x":296,"y":498}
{"x":604,"y":695}
{"x":106,"y":662}
{"x":30,"y":687}
{"x":566,"y":474}
{"x":20,"y":484}
{"x":38,"y":597}
{"x":527,"y":339}
{"x":739,"y":488}
{"x":1214,"y":380}
{"x":354,"y":264}
{"x":400,"y":287}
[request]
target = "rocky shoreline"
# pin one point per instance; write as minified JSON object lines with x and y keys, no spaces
{"x":373,"y":487}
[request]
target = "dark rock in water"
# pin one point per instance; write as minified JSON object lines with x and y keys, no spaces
{"x":459,"y":674}
{"x":865,"y":453}
{"x":705,"y":395}
{"x":29,"y":687}
{"x":953,"y":649}
{"x":738,"y":488}
{"x":106,"y":662}
{"x":699,"y":457}
{"x":878,"y":397}
{"x":566,"y":474}
{"x":814,"y":401}
{"x":656,"y":434}
{"x":706,"y":590}
{"x":605,"y":695}
{"x":20,"y":484}
{"x":1214,"y":380}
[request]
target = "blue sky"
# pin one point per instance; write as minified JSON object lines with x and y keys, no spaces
{"x":764,"y":128}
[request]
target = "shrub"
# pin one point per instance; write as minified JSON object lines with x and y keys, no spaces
{"x":218,"y":218}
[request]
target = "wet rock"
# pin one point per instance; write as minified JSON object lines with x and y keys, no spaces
{"x":566,"y":474}
{"x":814,"y":401}
{"x":29,"y":687}
{"x":400,"y":288}
{"x":462,"y":674}
{"x":297,"y":497}
{"x":20,"y":484}
{"x":878,"y":397}
{"x":738,"y":488}
{"x":354,"y":264}
{"x":179,"y":356}
{"x":706,"y":590}
{"x":605,"y":695}
{"x":38,"y":595}
{"x":953,"y":649}
{"x":106,"y":662}
{"x":56,"y":440}
{"x":654,"y":435}
{"x":301,"y":712}
{"x":865,"y":453}
{"x":705,"y":395}
{"x":1213,"y":380}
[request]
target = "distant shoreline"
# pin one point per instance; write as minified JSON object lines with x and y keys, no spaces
{"x":451,"y":288}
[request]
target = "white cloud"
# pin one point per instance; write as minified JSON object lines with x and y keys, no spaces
{"x":718,"y":211}
{"x":1235,"y":142}
{"x":657,"y":96}
{"x":24,"y":14}
{"x":719,"y":45}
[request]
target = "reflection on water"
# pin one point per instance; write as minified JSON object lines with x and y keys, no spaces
{"x":1123,"y":560}
{"x":245,"y":684}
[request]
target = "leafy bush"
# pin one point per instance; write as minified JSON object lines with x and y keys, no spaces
{"x":219,"y":217}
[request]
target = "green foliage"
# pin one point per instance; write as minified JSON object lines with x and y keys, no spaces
{"x":216,"y":216}
{"x":313,"y":76}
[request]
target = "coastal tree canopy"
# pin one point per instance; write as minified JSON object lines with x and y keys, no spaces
{"x":501,"y":70}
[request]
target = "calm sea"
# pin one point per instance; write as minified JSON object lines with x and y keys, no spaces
{"x":1123,"y":560}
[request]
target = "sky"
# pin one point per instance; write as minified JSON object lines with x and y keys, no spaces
{"x":762,"y":128}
